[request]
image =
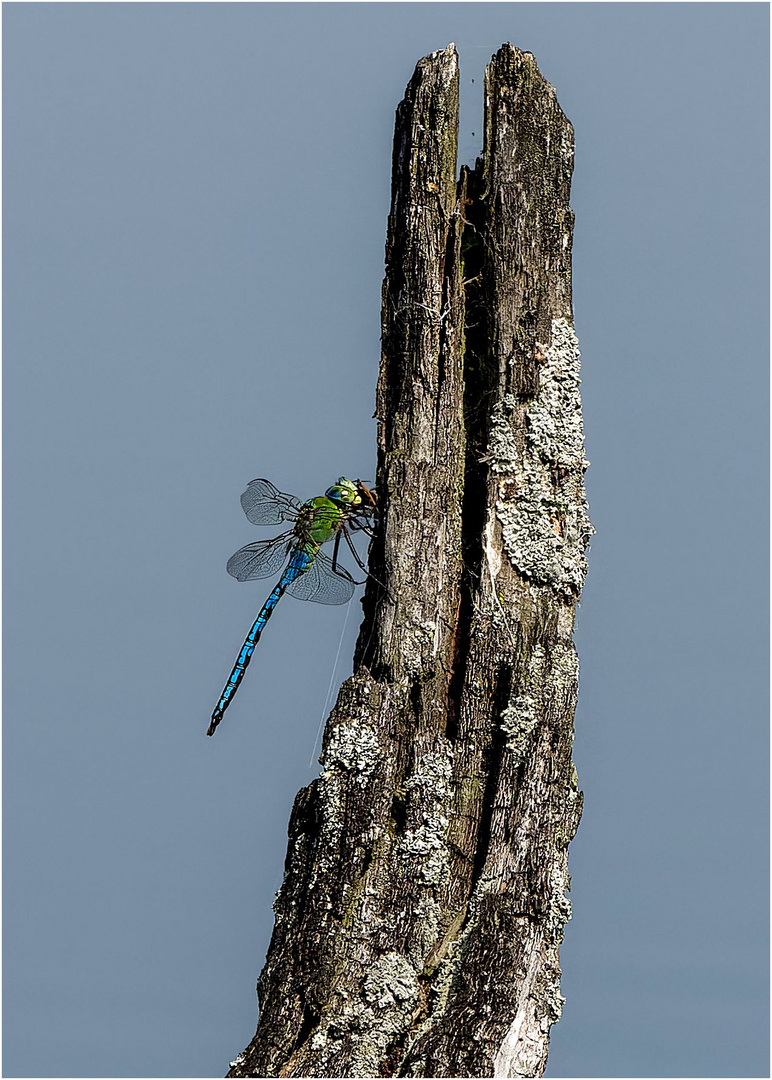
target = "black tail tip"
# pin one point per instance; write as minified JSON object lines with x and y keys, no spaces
{"x":216,"y":718}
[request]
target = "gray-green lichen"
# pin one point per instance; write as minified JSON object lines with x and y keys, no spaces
{"x":554,"y":418}
{"x":426,"y":914}
{"x":353,"y":748}
{"x":418,"y":640}
{"x":553,"y":1002}
{"x":390,"y":982}
{"x":537,"y":451}
{"x":351,"y":753}
{"x":559,"y":906}
{"x":432,"y":773}
{"x":502,"y":445}
{"x":520,"y":717}
{"x":426,"y":842}
{"x":424,"y":839}
{"x":371,"y":1020}
{"x":518,"y":721}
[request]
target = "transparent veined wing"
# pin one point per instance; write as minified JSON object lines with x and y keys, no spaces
{"x":264,"y":504}
{"x":322,"y":584}
{"x":259,"y":560}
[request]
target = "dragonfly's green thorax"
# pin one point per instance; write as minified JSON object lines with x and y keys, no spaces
{"x":320,"y":520}
{"x":322,"y":517}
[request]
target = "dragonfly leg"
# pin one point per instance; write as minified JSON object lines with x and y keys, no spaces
{"x":335,"y":552}
{"x":360,"y":564}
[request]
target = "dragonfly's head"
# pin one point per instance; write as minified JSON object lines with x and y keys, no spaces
{"x":345,"y":492}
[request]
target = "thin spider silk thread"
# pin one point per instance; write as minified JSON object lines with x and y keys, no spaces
{"x":329,"y":688}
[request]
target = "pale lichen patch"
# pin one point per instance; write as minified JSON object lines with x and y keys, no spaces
{"x":432,"y":771}
{"x":425,"y":836}
{"x":372,"y":1021}
{"x":520,"y":717}
{"x":559,"y":906}
{"x":353,"y":748}
{"x":427,"y":843}
{"x":518,"y":721}
{"x":554,"y":418}
{"x":427,"y":914}
{"x":503,"y":451}
{"x":417,"y":641}
{"x":553,"y":1002}
{"x":537,"y":450}
{"x":390,"y":981}
{"x":351,"y":753}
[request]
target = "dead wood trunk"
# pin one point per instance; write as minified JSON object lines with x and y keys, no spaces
{"x":418,"y":924}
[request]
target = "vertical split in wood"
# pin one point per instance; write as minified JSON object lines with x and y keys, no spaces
{"x":418,"y":924}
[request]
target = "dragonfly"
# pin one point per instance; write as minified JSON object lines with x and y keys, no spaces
{"x":309,"y":574}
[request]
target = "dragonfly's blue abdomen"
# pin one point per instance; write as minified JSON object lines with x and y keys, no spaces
{"x":301,"y":560}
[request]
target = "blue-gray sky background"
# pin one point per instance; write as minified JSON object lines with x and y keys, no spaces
{"x":195,"y":200}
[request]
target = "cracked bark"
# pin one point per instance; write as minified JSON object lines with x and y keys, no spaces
{"x":418,"y":924}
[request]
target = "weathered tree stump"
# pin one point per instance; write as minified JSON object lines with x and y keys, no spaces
{"x":418,"y":924}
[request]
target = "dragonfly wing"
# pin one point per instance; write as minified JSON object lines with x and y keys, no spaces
{"x":322,"y":584}
{"x":259,"y":560}
{"x":264,"y":504}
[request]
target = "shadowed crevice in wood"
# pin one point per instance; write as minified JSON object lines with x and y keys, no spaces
{"x":423,"y":902}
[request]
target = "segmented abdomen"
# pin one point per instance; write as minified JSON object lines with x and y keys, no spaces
{"x":300,"y":561}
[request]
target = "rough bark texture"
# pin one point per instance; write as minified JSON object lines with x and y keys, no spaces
{"x":418,"y":924}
